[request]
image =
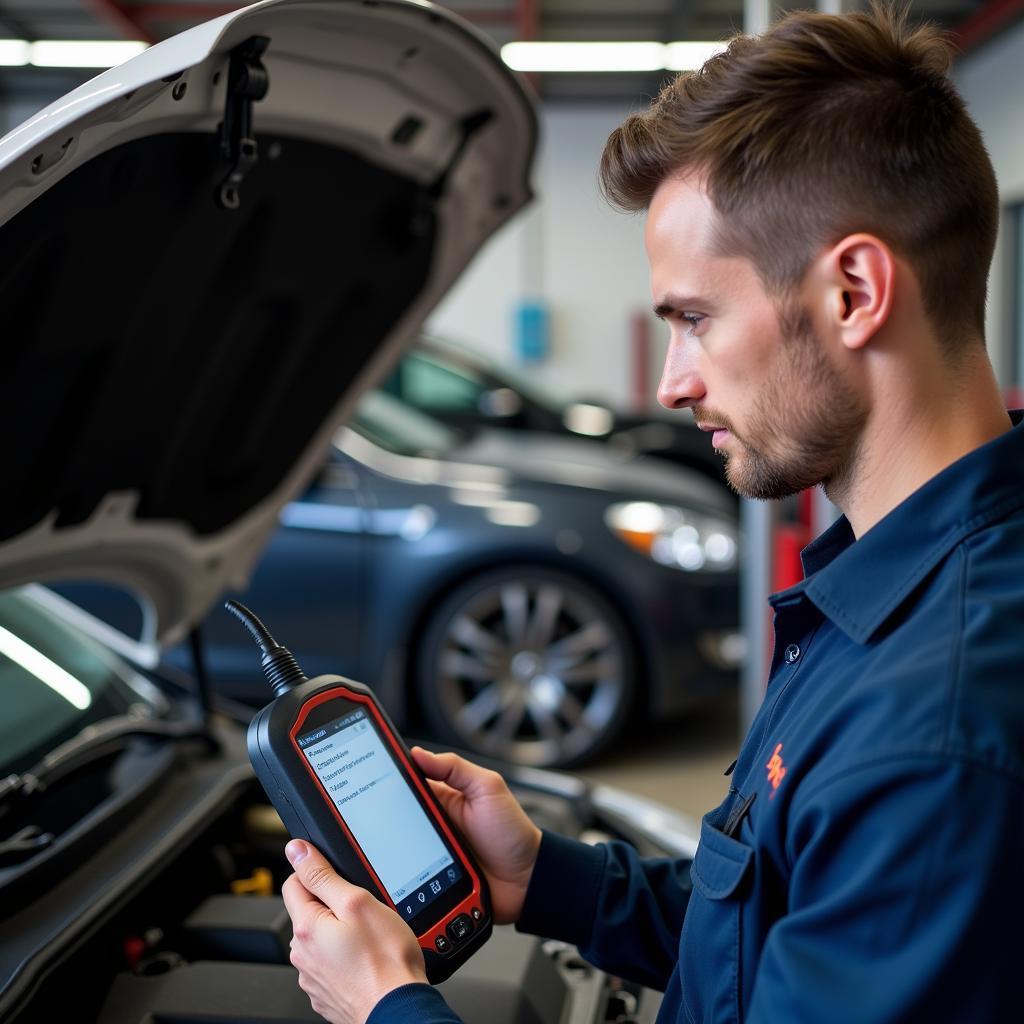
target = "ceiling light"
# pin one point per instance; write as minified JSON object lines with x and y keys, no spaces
{"x":599,"y":57}
{"x":584,"y":56}
{"x":690,"y":56}
{"x":13,"y":53}
{"x":61,"y":53}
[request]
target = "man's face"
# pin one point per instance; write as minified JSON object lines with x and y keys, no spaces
{"x":784,"y":417}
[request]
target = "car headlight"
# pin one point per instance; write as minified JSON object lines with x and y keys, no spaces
{"x":675,"y":536}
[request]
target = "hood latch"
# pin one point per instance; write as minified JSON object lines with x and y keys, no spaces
{"x":248,"y":82}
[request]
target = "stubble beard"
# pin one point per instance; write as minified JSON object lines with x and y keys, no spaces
{"x":804,"y":426}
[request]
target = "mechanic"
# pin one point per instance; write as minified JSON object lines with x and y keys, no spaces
{"x":821,"y":216}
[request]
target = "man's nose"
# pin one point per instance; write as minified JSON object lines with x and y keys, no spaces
{"x":681,"y":385}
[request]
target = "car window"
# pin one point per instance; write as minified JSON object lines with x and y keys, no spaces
{"x":397,"y":427}
{"x":503,"y":375}
{"x":435,"y":386}
{"x":55,"y":681}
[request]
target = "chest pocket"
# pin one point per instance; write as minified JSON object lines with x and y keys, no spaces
{"x":712,"y":941}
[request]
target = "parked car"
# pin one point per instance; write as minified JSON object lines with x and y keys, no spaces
{"x":209,"y":254}
{"x":517,"y":596}
{"x":463,"y":387}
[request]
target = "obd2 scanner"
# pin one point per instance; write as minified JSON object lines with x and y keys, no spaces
{"x":339,"y":775}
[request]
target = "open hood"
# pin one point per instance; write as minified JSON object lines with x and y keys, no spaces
{"x":188,"y":318}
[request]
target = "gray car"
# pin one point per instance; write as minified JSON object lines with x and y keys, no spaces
{"x":519,"y":595}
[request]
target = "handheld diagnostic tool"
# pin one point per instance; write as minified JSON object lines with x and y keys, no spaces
{"x":339,"y":775}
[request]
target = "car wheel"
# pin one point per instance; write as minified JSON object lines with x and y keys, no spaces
{"x":528,"y":665}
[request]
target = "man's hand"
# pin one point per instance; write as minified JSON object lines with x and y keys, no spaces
{"x":503,"y":838}
{"x":350,"y":949}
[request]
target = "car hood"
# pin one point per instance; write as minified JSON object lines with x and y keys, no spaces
{"x":496,"y":458}
{"x":186,"y":328}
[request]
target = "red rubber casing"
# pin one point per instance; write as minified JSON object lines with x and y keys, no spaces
{"x":309,"y":812}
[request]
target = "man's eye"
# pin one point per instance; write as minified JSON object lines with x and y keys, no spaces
{"x":693,"y":319}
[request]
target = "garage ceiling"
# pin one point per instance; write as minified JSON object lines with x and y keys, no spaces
{"x":503,"y":20}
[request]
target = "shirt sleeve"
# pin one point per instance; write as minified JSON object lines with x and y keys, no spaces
{"x":624,"y":913}
{"x":905,"y":902}
{"x":418,"y":1002}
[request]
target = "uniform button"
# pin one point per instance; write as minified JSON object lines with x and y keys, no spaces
{"x":792,"y":653}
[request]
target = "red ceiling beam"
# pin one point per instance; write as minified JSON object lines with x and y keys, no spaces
{"x":185,"y":12}
{"x":120,"y":20}
{"x":527,"y":19}
{"x":996,"y":16}
{"x":204,"y":12}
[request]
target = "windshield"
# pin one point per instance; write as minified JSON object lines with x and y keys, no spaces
{"x":55,"y":680}
{"x":456,"y":359}
{"x":391,"y":424}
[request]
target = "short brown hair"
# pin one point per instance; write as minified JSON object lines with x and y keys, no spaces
{"x":824,"y":126}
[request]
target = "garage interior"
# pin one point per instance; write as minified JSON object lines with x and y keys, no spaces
{"x":384,"y":374}
{"x":576,"y":268}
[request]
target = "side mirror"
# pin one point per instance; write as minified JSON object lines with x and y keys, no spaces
{"x":589,"y":418}
{"x":500,"y":404}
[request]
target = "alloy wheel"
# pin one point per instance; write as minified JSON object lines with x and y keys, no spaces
{"x":534,"y":669}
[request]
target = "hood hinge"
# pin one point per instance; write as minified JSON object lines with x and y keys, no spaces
{"x":428,"y":196}
{"x":248,"y":82}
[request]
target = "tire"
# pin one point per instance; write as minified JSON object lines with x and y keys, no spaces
{"x":528,"y":665}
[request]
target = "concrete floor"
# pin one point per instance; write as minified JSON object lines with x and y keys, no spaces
{"x":679,"y":763}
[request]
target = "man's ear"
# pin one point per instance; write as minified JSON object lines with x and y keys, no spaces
{"x":859,"y":275}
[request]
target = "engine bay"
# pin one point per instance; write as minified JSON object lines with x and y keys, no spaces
{"x":190,"y":925}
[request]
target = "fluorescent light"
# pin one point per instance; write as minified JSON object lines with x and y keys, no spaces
{"x":61,"y":53}
{"x":46,"y":671}
{"x":545,"y":56}
{"x":584,"y":56}
{"x":13,"y":53}
{"x":690,"y":56}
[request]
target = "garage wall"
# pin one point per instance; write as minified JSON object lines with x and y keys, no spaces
{"x":990,"y":81}
{"x":587,"y":262}
{"x":584,"y":260}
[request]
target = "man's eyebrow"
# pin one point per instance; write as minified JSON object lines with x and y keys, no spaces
{"x":678,"y":303}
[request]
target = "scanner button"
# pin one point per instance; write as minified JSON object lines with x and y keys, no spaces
{"x":476,"y":913}
{"x":460,"y":928}
{"x":442,"y":944}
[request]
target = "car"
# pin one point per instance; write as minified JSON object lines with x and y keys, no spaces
{"x":519,"y":597}
{"x":211,"y":252}
{"x":461,"y":386}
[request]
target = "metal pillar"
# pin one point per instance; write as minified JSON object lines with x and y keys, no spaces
{"x":757,"y":524}
{"x":839,"y":6}
{"x":759,"y":520}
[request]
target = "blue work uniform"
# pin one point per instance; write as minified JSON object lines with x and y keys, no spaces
{"x":868,"y":862}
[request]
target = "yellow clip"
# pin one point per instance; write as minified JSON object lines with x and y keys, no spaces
{"x":259,"y":883}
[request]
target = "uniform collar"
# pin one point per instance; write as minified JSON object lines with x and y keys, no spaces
{"x":859,"y":584}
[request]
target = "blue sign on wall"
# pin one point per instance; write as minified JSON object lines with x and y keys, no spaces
{"x":533,"y":332}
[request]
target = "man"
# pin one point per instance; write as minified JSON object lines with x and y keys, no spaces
{"x":821,"y":215}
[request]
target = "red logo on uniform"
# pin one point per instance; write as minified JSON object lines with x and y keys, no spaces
{"x":776,"y":769}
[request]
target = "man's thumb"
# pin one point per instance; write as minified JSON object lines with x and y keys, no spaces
{"x":316,"y":875}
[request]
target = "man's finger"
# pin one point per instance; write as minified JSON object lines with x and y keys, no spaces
{"x":301,"y":906}
{"x":321,"y":880}
{"x":457,"y":772}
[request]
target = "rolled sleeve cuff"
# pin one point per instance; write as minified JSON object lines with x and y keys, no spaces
{"x":562,"y":896}
{"x":415,"y":1001}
